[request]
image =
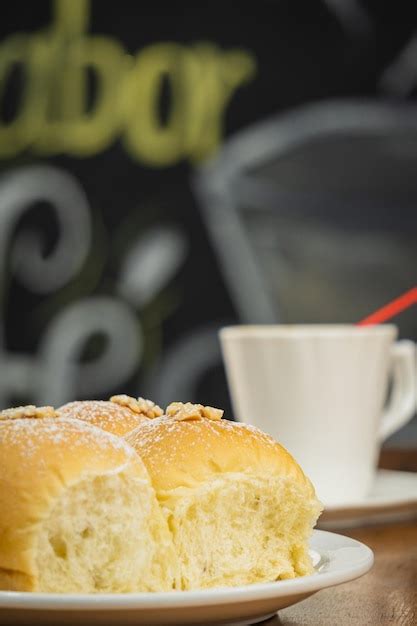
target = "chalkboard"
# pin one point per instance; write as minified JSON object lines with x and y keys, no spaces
{"x":112,"y":277}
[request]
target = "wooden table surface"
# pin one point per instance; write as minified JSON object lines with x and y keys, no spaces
{"x":388,"y":593}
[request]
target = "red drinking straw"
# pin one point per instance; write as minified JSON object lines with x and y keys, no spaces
{"x":391,"y":309}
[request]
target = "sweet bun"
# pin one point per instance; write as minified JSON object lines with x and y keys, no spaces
{"x":78,"y":512}
{"x":118,"y":416}
{"x":239,"y":507}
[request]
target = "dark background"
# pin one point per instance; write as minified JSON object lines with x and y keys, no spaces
{"x":305,"y":51}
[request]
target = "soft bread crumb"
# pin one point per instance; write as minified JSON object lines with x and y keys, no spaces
{"x":239,"y":507}
{"x":78,"y":512}
{"x":241,"y":529}
{"x":105,"y":535}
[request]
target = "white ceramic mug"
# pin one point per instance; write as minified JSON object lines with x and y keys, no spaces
{"x":320,"y":390}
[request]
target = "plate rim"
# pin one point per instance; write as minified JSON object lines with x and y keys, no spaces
{"x":26,"y":600}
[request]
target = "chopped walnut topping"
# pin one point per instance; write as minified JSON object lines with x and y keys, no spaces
{"x":29,"y":411}
{"x":188,"y":411}
{"x":139,"y":405}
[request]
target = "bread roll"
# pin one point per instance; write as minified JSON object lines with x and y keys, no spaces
{"x":118,"y":416}
{"x":77,"y":510}
{"x":239,"y":507}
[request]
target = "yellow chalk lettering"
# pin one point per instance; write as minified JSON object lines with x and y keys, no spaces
{"x":54,"y":115}
{"x":30,"y":53}
{"x":76,"y":130}
{"x":71,"y":18}
{"x":70,"y":127}
{"x":146,"y":137}
{"x":219,"y":75}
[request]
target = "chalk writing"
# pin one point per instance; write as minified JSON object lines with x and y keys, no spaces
{"x":53,"y":115}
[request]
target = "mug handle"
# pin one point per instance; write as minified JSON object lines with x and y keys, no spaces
{"x":402,"y":403}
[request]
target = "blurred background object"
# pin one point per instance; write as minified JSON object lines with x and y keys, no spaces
{"x":165,"y":170}
{"x":317,"y":206}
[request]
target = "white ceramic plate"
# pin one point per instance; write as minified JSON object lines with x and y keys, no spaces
{"x":338,"y":559}
{"x":393,"y":498}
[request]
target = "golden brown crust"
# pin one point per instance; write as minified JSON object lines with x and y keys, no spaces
{"x":16,"y":581}
{"x":39,"y":460}
{"x":111,"y":416}
{"x":185,"y":453}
